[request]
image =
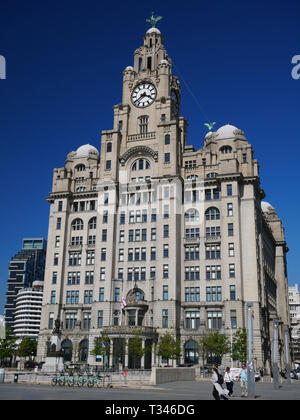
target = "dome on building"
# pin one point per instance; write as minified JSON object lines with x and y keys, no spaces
{"x":164,"y":61}
{"x":265,"y":206}
{"x":86,"y":150}
{"x":227,"y":131}
{"x":129,"y":68}
{"x":153,"y":30}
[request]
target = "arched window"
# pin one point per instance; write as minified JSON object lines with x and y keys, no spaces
{"x":108,"y":147}
{"x":192,"y":177}
{"x":83,"y":350}
{"x":191,"y":352}
{"x":80,"y":189}
{"x":211,"y":175}
{"x":226,"y":149}
{"x":93,"y":223}
{"x":66,"y":346}
{"x":140,"y":165}
{"x":80,"y":168}
{"x":77,"y":224}
{"x":212,"y":214}
{"x":191,"y":216}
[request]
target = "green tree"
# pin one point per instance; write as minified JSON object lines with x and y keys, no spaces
{"x":239,"y":345}
{"x":135,"y":347}
{"x":169,"y":347}
{"x":27,"y":347}
{"x":101,"y":347}
{"x":215,"y":344}
{"x":8,"y":345}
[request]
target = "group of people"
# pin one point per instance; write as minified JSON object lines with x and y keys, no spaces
{"x":218,"y":380}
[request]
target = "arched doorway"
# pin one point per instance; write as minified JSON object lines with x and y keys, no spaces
{"x":83,"y":350}
{"x":67,"y":348}
{"x":191,"y":352}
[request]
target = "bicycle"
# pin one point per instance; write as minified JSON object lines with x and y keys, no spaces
{"x":95,"y":380}
{"x":74,"y":381}
{"x":55,"y":379}
{"x":64,"y":379}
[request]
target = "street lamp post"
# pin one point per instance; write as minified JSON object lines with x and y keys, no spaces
{"x":275,"y":347}
{"x":250,"y":364}
{"x":287,"y":355}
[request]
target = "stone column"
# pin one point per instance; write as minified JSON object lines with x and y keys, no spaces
{"x":143,"y":357}
{"x":126,"y":353}
{"x":111,"y":352}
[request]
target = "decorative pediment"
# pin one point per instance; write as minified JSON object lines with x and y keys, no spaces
{"x":138,"y":151}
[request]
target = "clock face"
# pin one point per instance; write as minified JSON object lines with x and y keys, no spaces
{"x":175,"y":103}
{"x":143,"y":95}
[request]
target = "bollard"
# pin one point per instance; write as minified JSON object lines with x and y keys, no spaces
{"x":2,"y":376}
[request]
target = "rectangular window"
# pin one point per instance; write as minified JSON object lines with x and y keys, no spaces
{"x":51,"y":321}
{"x":90,"y":258}
{"x":75,"y":258}
{"x":214,"y":320}
{"x":57,"y":241}
{"x":131,"y":235}
{"x":192,"y":319}
{"x":105,"y":216}
{"x":121,"y":254}
{"x":213,"y":272}
{"x":122,"y":218}
{"x":233,"y":319}
{"x":120,"y":273}
{"x":229,"y":190}
{"x":92,"y":240}
{"x":54,"y":277}
{"x":229,"y":209}
{"x":152,"y":273}
{"x":166,"y":211}
{"x":89,"y":277}
{"x":117,"y":294}
{"x":167,"y":157}
{"x":103,"y":254}
{"x":153,"y":234}
{"x":153,"y":215}
{"x":166,"y":231}
{"x":232,"y":292}
{"x":166,"y":251}
{"x":165,"y":318}
{"x":104,"y":235}
{"x":86,"y":320}
{"x":166,"y":271}
{"x":101,"y":294}
{"x":153,"y":253}
{"x":88,"y":297}
{"x":53,"y":297}
{"x":231,"y":250}
{"x":231,"y":270}
{"x":213,"y":252}
{"x":58,"y":223}
{"x":144,"y":234}
{"x":60,"y":206}
{"x":165,"y":292}
{"x":100,"y":319}
{"x":230,"y":229}
{"x":102,"y":273}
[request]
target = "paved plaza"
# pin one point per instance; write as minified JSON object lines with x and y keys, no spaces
{"x":201,"y":390}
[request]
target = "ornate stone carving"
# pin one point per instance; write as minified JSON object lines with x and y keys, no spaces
{"x":138,"y":151}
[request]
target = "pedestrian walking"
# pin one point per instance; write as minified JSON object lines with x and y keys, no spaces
{"x":228,"y":379}
{"x":244,"y":381}
{"x":218,"y":391}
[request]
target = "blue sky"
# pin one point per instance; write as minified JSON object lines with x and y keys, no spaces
{"x":64,"y":75}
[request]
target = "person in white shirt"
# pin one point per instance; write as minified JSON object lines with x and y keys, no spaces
{"x":228,"y":379}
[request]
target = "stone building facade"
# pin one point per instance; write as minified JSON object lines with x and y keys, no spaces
{"x":294,"y":304}
{"x":155,"y":234}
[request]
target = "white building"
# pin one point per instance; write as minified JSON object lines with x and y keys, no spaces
{"x":294,"y":303}
{"x":28,"y":311}
{"x":181,"y":234}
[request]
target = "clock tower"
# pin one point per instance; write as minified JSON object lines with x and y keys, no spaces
{"x":150,"y":108}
